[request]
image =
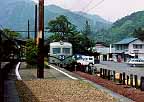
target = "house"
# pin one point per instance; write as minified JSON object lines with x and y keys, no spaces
{"x":129,"y":48}
{"x":104,"y":51}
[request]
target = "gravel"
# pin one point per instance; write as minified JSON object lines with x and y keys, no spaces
{"x":60,"y":91}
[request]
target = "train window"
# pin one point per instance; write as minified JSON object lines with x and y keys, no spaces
{"x":56,"y":50}
{"x":66,"y":50}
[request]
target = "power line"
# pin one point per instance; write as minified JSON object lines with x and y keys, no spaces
{"x":87,"y":5}
{"x":96,"y":5}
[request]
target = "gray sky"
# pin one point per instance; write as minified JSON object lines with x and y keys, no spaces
{"x":108,"y":9}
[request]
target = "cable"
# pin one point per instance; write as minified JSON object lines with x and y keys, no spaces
{"x":96,"y":5}
{"x":87,"y":5}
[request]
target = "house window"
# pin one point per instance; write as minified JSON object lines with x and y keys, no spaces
{"x":137,"y":46}
{"x":121,"y":47}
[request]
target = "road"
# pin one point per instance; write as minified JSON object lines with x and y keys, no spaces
{"x":121,"y":67}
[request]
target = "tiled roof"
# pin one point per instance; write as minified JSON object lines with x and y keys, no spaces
{"x":126,"y":41}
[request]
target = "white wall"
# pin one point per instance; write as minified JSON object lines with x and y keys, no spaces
{"x":131,"y":49}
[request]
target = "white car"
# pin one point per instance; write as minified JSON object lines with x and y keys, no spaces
{"x":83,"y":62}
{"x":89,"y":59}
{"x":86,"y":60}
{"x":136,"y":62}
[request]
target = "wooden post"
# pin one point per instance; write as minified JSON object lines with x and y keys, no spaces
{"x":114,"y":76}
{"x":35,"y":24}
{"x":106,"y":76}
{"x":1,"y":74}
{"x":101,"y":72}
{"x":40,"y":38}
{"x":95,"y":70}
{"x":136,"y":81}
{"x":131,"y":80}
{"x":28,"y":30}
{"x":142,"y":83}
{"x":127,"y":80}
{"x":120,"y":78}
{"x":75,"y":67}
{"x":109,"y":75}
{"x":123,"y":78}
{"x":1,"y":85}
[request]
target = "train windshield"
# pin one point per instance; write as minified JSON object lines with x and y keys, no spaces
{"x":56,"y":50}
{"x":66,"y":50}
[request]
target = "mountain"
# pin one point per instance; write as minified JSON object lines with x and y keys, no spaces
{"x":14,"y":14}
{"x":122,"y":28}
{"x":97,"y":21}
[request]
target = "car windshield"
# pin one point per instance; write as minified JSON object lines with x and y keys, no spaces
{"x":136,"y":60}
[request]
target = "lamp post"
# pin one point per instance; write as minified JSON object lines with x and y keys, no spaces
{"x":40,"y":41}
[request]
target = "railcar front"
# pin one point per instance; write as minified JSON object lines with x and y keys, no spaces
{"x":60,"y":53}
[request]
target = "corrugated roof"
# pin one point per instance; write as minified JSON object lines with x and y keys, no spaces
{"x":126,"y":41}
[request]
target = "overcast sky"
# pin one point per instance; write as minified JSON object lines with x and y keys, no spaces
{"x":108,"y":9}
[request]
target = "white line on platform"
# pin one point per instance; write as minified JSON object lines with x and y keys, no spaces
{"x":63,"y":73}
{"x":17,"y":72}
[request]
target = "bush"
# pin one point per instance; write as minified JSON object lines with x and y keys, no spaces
{"x":31,"y":52}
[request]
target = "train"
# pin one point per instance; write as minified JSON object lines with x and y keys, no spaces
{"x":60,"y":53}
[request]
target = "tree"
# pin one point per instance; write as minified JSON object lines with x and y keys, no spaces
{"x":139,"y":33}
{"x":11,"y":34}
{"x":31,"y":51}
{"x":60,"y":26}
{"x":64,"y":30}
{"x":87,"y":30}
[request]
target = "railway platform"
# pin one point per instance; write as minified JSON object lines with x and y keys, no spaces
{"x":51,"y":73}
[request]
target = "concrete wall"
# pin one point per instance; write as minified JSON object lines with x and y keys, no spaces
{"x":131,"y":50}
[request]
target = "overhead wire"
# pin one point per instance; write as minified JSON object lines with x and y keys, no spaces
{"x":100,"y":2}
{"x":87,"y":5}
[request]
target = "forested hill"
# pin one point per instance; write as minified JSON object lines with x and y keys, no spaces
{"x":122,"y":28}
{"x":14,"y":14}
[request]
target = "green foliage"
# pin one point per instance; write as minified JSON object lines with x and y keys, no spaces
{"x":66,"y":31}
{"x":31,"y":52}
{"x":87,"y":29}
{"x":121,"y":28}
{"x":139,"y":33}
{"x":11,"y":34}
{"x":22,"y":10}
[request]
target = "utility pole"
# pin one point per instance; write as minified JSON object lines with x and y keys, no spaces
{"x":28,"y":30}
{"x":35,"y":24}
{"x":40,"y":41}
{"x":1,"y":74}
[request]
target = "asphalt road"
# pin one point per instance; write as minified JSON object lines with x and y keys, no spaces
{"x":121,"y":67}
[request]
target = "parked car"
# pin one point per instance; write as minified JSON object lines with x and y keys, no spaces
{"x":82,"y":62}
{"x":83,"y":59}
{"x":136,"y":62}
{"x":89,"y":59}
